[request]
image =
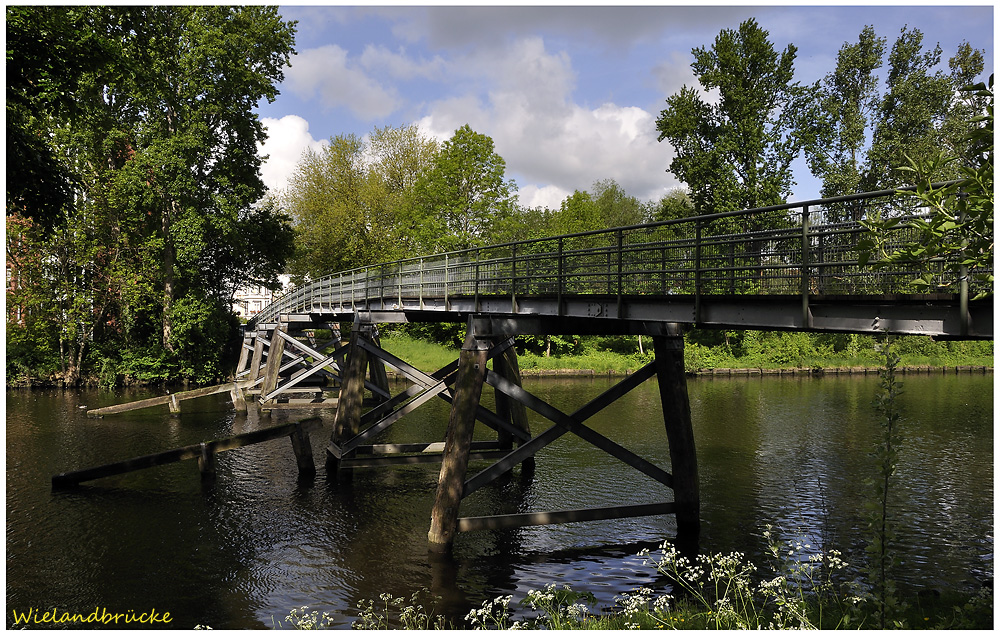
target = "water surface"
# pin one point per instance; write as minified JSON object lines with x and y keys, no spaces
{"x":793,"y":452}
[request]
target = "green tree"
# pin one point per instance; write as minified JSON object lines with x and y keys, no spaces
{"x":958,"y":228}
{"x":577,"y":213}
{"x":47,"y":49}
{"x":676,"y":204}
{"x":464,"y":199}
{"x":161,"y":147}
{"x":854,"y":136}
{"x":352,"y":200}
{"x":735,"y":153}
{"x":617,"y":208}
{"x":915,"y":104}
{"x":835,"y":123}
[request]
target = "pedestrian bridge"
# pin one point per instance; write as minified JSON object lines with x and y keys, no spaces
{"x":786,"y":267}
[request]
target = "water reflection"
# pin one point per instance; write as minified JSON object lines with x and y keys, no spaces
{"x":241,"y":552}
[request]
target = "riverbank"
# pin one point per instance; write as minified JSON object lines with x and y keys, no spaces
{"x":755,"y":371}
{"x":919,"y":356}
{"x":757,"y":354}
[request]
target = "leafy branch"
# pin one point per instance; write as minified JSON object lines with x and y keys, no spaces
{"x":958,"y":227}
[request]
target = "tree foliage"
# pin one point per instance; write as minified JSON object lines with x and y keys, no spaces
{"x":154,"y":128}
{"x":464,"y":199}
{"x":734,"y":153}
{"x":855,"y":135}
{"x":959,"y":223}
{"x":352,"y":201}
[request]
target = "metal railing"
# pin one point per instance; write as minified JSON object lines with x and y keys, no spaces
{"x":808,"y":248}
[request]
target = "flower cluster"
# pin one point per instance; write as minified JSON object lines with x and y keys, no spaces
{"x":301,"y":618}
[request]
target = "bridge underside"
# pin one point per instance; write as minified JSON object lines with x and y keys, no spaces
{"x":284,"y":367}
{"x":937,"y":315}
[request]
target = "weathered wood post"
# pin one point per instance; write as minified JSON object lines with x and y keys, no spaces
{"x":376,"y":370}
{"x":347,"y":422}
{"x":258,"y":355}
{"x":451,"y":480}
{"x":238,"y":397}
{"x":245,"y":349}
{"x":206,"y":463}
{"x":669,"y":362}
{"x":510,"y":410}
{"x":174,"y":405}
{"x":302,"y":448}
{"x":274,"y":356}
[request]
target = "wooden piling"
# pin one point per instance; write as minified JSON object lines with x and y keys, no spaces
{"x":238,"y":398}
{"x":258,"y":355}
{"x":206,"y":463}
{"x":347,"y":422}
{"x":505,"y":365}
{"x":669,"y":363}
{"x":271,"y":371}
{"x":461,"y":422}
{"x":302,"y":448}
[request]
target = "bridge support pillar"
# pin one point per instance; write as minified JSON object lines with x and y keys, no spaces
{"x":376,"y":370}
{"x":347,"y":422}
{"x":271,"y":370}
{"x":238,"y":397}
{"x":505,"y":365}
{"x":669,"y":362}
{"x":451,"y":480}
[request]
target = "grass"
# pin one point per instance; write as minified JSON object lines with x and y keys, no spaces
{"x":795,"y":353}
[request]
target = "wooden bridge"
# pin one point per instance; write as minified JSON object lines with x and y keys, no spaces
{"x":788,"y":267}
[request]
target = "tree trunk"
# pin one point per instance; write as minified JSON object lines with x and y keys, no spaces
{"x":169,"y":259}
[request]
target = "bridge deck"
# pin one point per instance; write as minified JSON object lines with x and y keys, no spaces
{"x":936,"y":315}
{"x":789,"y":267}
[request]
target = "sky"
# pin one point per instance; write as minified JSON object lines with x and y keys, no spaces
{"x":569,"y":94}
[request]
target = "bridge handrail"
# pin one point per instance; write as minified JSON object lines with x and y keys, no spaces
{"x":722,"y":253}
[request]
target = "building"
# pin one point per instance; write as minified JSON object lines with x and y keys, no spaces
{"x":248,"y":301}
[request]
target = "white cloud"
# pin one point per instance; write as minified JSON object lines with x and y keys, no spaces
{"x":379,"y":59}
{"x":328,"y":72}
{"x":526,"y":105}
{"x":550,"y":196}
{"x":287,"y":139}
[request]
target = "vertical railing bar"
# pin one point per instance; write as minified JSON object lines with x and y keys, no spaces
{"x":446,"y":282}
{"x":476,"y":283}
{"x":619,"y":236}
{"x":559,"y":278}
{"x":513,"y":278}
{"x":697,"y":272}
{"x":806,"y":322}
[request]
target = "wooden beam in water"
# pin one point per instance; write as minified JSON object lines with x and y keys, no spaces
{"x":405,"y":460}
{"x":193,"y":451}
{"x":493,"y":522}
{"x":159,"y":401}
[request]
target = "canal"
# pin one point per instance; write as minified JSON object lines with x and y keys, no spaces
{"x":789,"y":451}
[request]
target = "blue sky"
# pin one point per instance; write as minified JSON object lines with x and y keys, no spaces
{"x":569,"y":94}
